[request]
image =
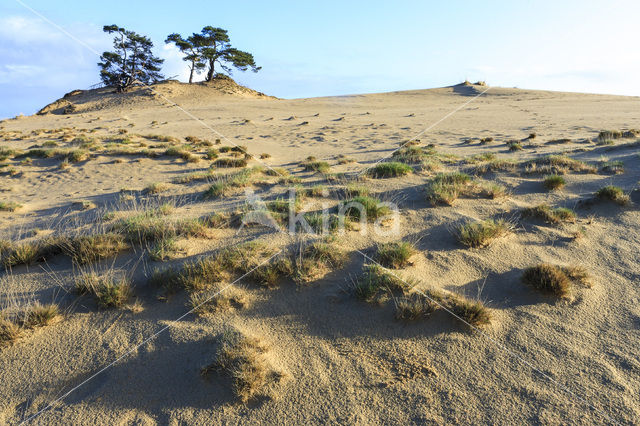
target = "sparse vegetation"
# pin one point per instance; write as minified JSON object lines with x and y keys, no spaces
{"x":481,"y":233}
{"x":9,"y":206}
{"x":445,"y":188}
{"x":243,"y":358}
{"x":413,"y":307}
{"x":553,"y":182}
{"x":391,"y":169}
{"x":39,"y":315}
{"x":395,"y":254}
{"x":316,"y":166}
{"x":547,"y":278}
{"x":558,"y":164}
{"x":371,"y":207}
{"x":550,"y":215}
{"x":613,"y":193}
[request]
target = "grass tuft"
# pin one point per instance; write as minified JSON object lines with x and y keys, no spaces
{"x":550,"y":215}
{"x":243,"y":358}
{"x":391,"y":169}
{"x":481,"y":233}
{"x":554,"y":182}
{"x":613,"y":193}
{"x":395,"y":254}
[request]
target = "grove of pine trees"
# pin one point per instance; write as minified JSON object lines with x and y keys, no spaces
{"x":132,"y":61}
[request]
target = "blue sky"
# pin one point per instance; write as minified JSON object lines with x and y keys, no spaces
{"x":336,"y":47}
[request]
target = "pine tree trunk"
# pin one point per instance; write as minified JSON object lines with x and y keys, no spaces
{"x":191,"y":73}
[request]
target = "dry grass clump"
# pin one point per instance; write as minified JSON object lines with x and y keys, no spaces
{"x":553,"y":182}
{"x":613,"y":193}
{"x":316,"y":166}
{"x":91,"y":248}
{"x":558,"y":141}
{"x":486,"y":140}
{"x":39,"y":315}
{"x":183,"y":154}
{"x":445,"y":188}
{"x":9,"y":206}
{"x":314,"y":260}
{"x":28,"y":252}
{"x":395,"y":254}
{"x":227,"y":298}
{"x":156,"y":188}
{"x":481,"y":233}
{"x":414,"y":307}
{"x":370,"y":207}
{"x":153,"y":225}
{"x":343,"y":159}
{"x":163,"y":249}
{"x":108,"y":290}
{"x":243,"y":358}
{"x":227,"y":183}
{"x":376,"y":284}
{"x":230,"y":162}
{"x":514,"y":146}
{"x":558,"y":164}
{"x":493,"y":190}
{"x":550,"y":215}
{"x":494,"y":165}
{"x":9,"y":331}
{"x":553,"y":279}
{"x":612,"y":167}
{"x":473,"y":312}
{"x":606,"y":137}
{"x":390,"y":169}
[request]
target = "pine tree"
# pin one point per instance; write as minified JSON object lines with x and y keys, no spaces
{"x":189,"y":48}
{"x":132,"y":61}
{"x":209,"y":48}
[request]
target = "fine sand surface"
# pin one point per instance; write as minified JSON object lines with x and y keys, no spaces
{"x":541,"y":360}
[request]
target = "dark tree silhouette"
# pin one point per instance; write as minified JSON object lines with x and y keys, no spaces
{"x":209,"y":48}
{"x":131,"y":62}
{"x":189,"y":47}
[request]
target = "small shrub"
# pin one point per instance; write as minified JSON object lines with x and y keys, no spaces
{"x":553,"y":182}
{"x":264,"y":156}
{"x":486,"y":140}
{"x":391,"y":169}
{"x":395,"y":254}
{"x":480,"y":234}
{"x":613,"y":193}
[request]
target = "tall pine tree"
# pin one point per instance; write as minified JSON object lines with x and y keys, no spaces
{"x":132,"y":61}
{"x":210,"y":48}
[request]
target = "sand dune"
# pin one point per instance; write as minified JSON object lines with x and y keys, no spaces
{"x":310,"y":349}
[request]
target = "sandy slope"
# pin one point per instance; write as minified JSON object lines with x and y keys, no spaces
{"x":345,"y":361}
